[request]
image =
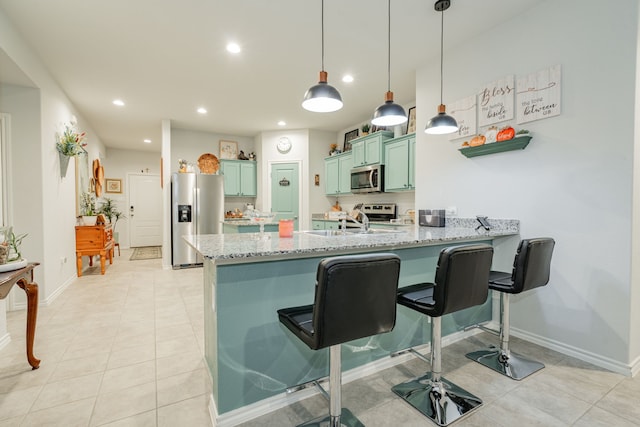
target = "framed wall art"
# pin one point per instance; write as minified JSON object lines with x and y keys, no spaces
{"x":228,"y":149}
{"x":411,"y":122}
{"x":348,"y":137}
{"x":113,"y":185}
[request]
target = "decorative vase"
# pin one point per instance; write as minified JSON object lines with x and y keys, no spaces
{"x":89,"y":219}
{"x":64,"y":164}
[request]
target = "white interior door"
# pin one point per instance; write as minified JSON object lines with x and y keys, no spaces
{"x":145,"y":210}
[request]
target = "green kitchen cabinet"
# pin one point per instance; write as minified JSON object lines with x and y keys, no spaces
{"x":399,"y":174}
{"x":337,"y":171}
{"x":240,"y":178}
{"x":369,"y":150}
{"x":318,"y":224}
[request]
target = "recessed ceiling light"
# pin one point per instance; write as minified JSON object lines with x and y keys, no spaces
{"x":282,"y":123}
{"x":118,"y":102}
{"x":148,"y":141}
{"x":234,"y":48}
{"x":347,"y":78}
{"x":202,"y":110}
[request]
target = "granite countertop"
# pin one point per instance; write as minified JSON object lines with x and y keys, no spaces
{"x":254,"y":247}
{"x":244,"y":221}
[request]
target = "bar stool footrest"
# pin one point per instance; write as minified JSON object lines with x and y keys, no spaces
{"x":442,"y":402}
{"x":347,"y":419}
{"x":514,"y":366}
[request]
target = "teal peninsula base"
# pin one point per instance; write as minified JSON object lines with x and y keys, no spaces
{"x":247,"y":278}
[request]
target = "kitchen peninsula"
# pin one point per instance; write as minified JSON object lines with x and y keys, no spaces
{"x":247,"y":277}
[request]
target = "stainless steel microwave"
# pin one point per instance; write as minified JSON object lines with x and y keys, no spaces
{"x":367,"y":179}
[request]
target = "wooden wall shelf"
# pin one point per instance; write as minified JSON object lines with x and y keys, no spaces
{"x":518,"y":143}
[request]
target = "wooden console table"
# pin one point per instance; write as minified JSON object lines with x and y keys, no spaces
{"x":24,"y":278}
{"x":94,"y":240}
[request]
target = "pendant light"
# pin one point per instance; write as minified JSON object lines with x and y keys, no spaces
{"x":322,"y":98}
{"x":442,"y":123}
{"x":389,"y":113}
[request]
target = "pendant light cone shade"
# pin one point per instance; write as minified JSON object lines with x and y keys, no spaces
{"x":389,"y":113}
{"x":322,"y":98}
{"x":442,"y":123}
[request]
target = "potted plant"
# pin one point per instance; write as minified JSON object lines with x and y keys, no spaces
{"x":110,"y":210}
{"x":88,"y":209}
{"x":10,"y":245}
{"x":365,"y":129}
{"x":69,"y":144}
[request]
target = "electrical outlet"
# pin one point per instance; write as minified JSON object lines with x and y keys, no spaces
{"x":451,"y":211}
{"x":63,"y":260}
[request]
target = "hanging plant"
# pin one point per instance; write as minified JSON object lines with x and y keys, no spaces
{"x":70,"y":141}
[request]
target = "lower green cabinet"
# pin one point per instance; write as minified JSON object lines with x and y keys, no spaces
{"x":240,"y":178}
{"x":318,"y":224}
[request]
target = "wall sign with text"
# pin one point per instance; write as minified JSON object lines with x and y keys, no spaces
{"x":538,"y":95}
{"x":464,"y":111}
{"x":495,"y":101}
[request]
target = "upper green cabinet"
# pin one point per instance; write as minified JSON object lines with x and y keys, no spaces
{"x":369,"y":150}
{"x":337,"y":170}
{"x":240,"y":178}
{"x":399,"y":174}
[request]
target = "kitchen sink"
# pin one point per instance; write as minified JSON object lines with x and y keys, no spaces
{"x":352,"y":232}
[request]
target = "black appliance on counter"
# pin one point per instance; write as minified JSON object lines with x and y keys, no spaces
{"x":431,"y":217}
{"x":380,"y":212}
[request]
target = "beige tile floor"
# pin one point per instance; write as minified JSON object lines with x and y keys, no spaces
{"x":125,"y":349}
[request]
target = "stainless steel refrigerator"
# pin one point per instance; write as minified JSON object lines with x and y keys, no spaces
{"x":197,"y":207}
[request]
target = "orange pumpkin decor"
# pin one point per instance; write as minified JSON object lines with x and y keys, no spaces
{"x":477,"y":140}
{"x":505,"y":134}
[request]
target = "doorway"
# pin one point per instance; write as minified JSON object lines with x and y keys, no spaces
{"x":145,"y":210}
{"x":285,"y":191}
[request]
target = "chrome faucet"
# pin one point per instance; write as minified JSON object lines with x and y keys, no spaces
{"x":364,"y":224}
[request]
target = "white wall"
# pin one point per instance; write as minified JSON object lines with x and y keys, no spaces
{"x":191,"y":144}
{"x":268,"y":154}
{"x":574,"y":180}
{"x":117,"y":165}
{"x":634,"y":332}
{"x":43,"y":203}
{"x":319,"y":143}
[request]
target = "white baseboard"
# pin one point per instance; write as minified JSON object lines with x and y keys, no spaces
{"x":265,"y":406}
{"x":48,"y":300}
{"x":5,"y":340}
{"x":635,"y":367}
{"x":587,"y":356}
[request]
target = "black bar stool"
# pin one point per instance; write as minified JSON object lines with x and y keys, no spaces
{"x":355,"y":298}
{"x":531,"y":269}
{"x":460,"y":282}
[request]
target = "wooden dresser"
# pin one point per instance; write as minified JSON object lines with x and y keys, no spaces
{"x":94,"y":240}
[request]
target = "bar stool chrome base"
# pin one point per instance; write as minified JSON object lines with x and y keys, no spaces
{"x":442,"y":401}
{"x":513,"y":365}
{"x":346,"y":419}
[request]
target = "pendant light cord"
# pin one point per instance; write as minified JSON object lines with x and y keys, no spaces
{"x":322,"y":31}
{"x":389,"y":45}
{"x":441,"y":52}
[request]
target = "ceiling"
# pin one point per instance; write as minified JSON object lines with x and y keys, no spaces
{"x":166,"y":58}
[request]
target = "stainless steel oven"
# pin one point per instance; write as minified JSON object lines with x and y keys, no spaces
{"x":367,"y":179}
